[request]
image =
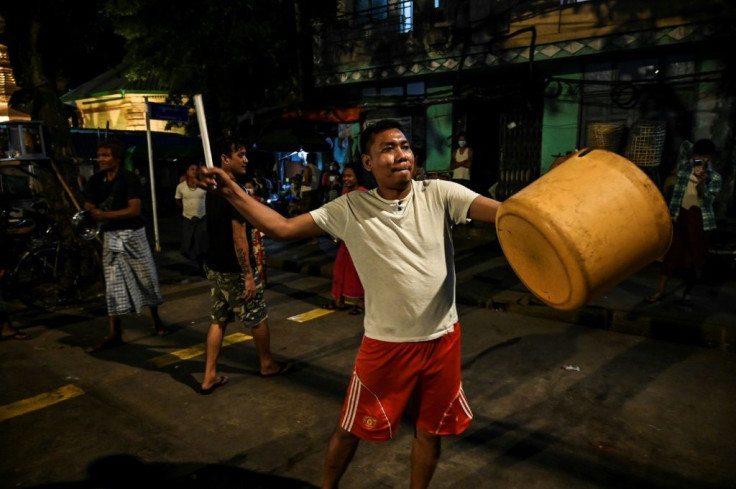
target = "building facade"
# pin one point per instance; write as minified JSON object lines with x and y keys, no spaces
{"x":531,"y":80}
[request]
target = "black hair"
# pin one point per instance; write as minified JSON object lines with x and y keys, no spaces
{"x":225,"y":146}
{"x":357,"y":170}
{"x":366,"y":137}
{"x":704,"y":147}
{"x":116,"y":147}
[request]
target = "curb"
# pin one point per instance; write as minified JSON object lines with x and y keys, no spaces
{"x":708,"y":335}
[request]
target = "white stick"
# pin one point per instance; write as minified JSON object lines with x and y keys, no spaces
{"x":199,"y":107}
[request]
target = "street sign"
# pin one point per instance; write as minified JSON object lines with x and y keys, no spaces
{"x":166,"y":112}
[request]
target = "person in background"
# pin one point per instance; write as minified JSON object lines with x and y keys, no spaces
{"x":7,"y":232}
{"x":263,"y":184}
{"x":311,"y":180}
{"x":236,"y":286}
{"x":131,"y":280}
{"x":259,"y":250}
{"x":345,"y":280}
{"x":292,"y":196}
{"x":310,"y":189}
{"x":691,"y":206}
{"x":461,"y":161}
{"x":8,"y":330}
{"x":331,"y":181}
{"x":190,"y":199}
{"x":400,"y":240}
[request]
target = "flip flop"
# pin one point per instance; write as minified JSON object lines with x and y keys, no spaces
{"x":17,"y":335}
{"x":220,"y":382}
{"x":285,"y":369}
{"x":654,"y":297}
{"x":164,"y":331}
{"x":332,"y":306}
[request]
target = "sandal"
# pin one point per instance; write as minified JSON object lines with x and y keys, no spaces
{"x":332,"y":306}
{"x":162,"y":331}
{"x":356,"y":311}
{"x":15,"y":335}
{"x":654,"y":297}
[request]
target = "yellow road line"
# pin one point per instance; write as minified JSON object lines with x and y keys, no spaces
{"x":309,"y":315}
{"x":39,"y":402}
{"x":196,"y":350}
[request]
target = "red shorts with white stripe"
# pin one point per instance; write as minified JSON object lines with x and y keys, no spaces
{"x":387,"y":375}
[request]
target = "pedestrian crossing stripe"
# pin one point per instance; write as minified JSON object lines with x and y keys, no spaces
{"x":309,"y":315}
{"x":196,"y":350}
{"x":39,"y":402}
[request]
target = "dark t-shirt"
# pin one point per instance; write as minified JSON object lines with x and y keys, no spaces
{"x":114,"y":195}
{"x":220,"y":215}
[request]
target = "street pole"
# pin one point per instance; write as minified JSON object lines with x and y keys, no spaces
{"x":151,"y":176}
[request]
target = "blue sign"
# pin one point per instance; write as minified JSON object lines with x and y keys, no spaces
{"x":165,"y":112}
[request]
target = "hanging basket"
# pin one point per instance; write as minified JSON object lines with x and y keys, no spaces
{"x":605,"y":135}
{"x":646,"y":143}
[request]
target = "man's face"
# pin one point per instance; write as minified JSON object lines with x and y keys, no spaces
{"x":236,"y":163}
{"x":106,"y":160}
{"x":390,"y":159}
{"x":700,"y":164}
{"x":704,"y":158}
{"x":192,"y":171}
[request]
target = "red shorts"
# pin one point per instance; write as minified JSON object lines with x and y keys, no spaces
{"x":387,"y":375}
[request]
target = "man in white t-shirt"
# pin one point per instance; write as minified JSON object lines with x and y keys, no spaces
{"x":190,"y":199}
{"x":399,"y":237}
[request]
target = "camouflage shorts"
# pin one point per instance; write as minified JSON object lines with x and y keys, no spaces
{"x":227,"y":299}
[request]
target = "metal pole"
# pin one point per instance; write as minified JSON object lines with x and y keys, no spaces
{"x":151,"y":177}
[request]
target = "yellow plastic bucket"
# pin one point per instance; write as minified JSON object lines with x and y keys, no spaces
{"x":583,"y":227}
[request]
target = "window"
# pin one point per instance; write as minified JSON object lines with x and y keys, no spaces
{"x":373,"y":11}
{"x":407,"y":16}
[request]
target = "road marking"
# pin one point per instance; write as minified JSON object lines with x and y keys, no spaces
{"x":309,"y":315}
{"x":196,"y":350}
{"x":39,"y":402}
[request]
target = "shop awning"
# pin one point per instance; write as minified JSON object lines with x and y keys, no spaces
{"x":335,"y":115}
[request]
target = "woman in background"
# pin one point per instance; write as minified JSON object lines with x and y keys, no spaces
{"x":345,"y":281}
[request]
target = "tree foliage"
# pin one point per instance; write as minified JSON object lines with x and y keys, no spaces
{"x":240,"y":54}
{"x":52,"y":46}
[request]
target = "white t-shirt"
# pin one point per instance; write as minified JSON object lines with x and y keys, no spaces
{"x":192,"y":201}
{"x":461,"y":172}
{"x":403,"y":252}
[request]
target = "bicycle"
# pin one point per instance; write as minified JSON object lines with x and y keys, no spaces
{"x":48,"y":273}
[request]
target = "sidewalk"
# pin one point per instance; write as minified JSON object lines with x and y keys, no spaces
{"x":485,"y":279}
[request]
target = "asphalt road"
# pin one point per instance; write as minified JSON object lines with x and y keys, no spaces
{"x":555,"y":405}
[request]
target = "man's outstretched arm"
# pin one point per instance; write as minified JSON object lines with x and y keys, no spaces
{"x":273,"y":224}
{"x":484,"y":209}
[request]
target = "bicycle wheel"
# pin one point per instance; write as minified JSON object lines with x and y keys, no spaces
{"x":46,"y":278}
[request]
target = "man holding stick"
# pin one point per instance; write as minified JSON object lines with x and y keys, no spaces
{"x":399,"y":237}
{"x":230,"y":268}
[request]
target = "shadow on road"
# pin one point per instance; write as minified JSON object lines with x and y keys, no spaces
{"x":127,"y":471}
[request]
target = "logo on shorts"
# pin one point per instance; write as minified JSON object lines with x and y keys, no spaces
{"x":369,"y":422}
